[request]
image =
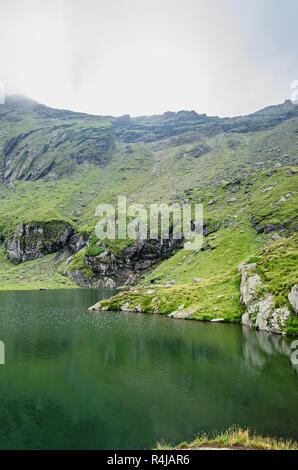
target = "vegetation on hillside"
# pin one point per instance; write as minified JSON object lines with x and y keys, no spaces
{"x":233,"y":438}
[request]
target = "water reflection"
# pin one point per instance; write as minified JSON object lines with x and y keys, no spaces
{"x":260,"y":347}
{"x":75,"y":379}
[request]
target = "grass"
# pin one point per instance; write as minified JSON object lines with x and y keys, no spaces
{"x":231,"y":247}
{"x":46,"y":272}
{"x":234,"y":438}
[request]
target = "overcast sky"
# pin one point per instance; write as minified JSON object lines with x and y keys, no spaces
{"x":220,"y":57}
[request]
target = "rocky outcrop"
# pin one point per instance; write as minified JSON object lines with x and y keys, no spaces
{"x":110,"y":269}
{"x":261,"y":312}
{"x":37,"y":239}
{"x":293,"y":298}
{"x":249,"y":283}
{"x":264,"y":226}
{"x":77,"y":242}
{"x":46,"y":152}
{"x":88,"y":279}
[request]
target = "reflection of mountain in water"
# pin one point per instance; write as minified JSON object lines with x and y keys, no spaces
{"x":260,"y":347}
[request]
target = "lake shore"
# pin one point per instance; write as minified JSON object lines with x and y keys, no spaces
{"x":233,"y":438}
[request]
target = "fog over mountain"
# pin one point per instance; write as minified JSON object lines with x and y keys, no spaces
{"x":142,"y":57}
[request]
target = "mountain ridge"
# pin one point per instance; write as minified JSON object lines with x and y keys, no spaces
{"x":39,"y":142}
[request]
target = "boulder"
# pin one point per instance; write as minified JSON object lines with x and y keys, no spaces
{"x":293,"y":298}
{"x":261,"y":312}
{"x":37,"y":239}
{"x":125,"y":307}
{"x":182,"y":314}
{"x":130,"y":263}
{"x":95,"y":307}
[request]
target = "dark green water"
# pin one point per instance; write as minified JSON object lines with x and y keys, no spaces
{"x":79,"y":380}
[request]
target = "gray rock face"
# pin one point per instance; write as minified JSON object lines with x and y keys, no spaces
{"x":42,"y":148}
{"x":246,"y":320}
{"x":293,"y":298}
{"x":35,"y":240}
{"x":77,"y":242}
{"x":269,"y":318}
{"x":249,"y":283}
{"x":260,"y":311}
{"x":84,"y":280}
{"x":110,"y":270}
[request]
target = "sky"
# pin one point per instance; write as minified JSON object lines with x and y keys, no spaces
{"x":142,"y":57}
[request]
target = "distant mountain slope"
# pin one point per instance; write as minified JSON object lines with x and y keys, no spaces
{"x":39,"y":142}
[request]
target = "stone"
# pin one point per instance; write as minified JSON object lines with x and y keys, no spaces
{"x":265,"y":308}
{"x":32,"y":241}
{"x":249,"y":286}
{"x":125,"y":307}
{"x":217,"y":320}
{"x":95,"y":307}
{"x":127,"y":266}
{"x":271,"y":319}
{"x":260,"y":311}
{"x":293,"y":298}
{"x":245,"y":320}
{"x":198,"y":279}
{"x":182,"y":314}
{"x":110,"y":283}
{"x":139,"y":309}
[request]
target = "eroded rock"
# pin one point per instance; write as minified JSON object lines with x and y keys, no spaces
{"x":261,"y":312}
{"x":293,"y":298}
{"x":37,"y":239}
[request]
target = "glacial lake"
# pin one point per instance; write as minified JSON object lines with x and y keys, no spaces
{"x":80,"y":380}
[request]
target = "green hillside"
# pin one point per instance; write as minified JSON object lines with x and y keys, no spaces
{"x":57,"y":166}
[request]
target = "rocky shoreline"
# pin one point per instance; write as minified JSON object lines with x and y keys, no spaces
{"x":258,"y":307}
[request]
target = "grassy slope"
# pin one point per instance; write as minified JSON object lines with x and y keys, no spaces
{"x":234,"y":438}
{"x":146,"y":173}
{"x":46,"y":272}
